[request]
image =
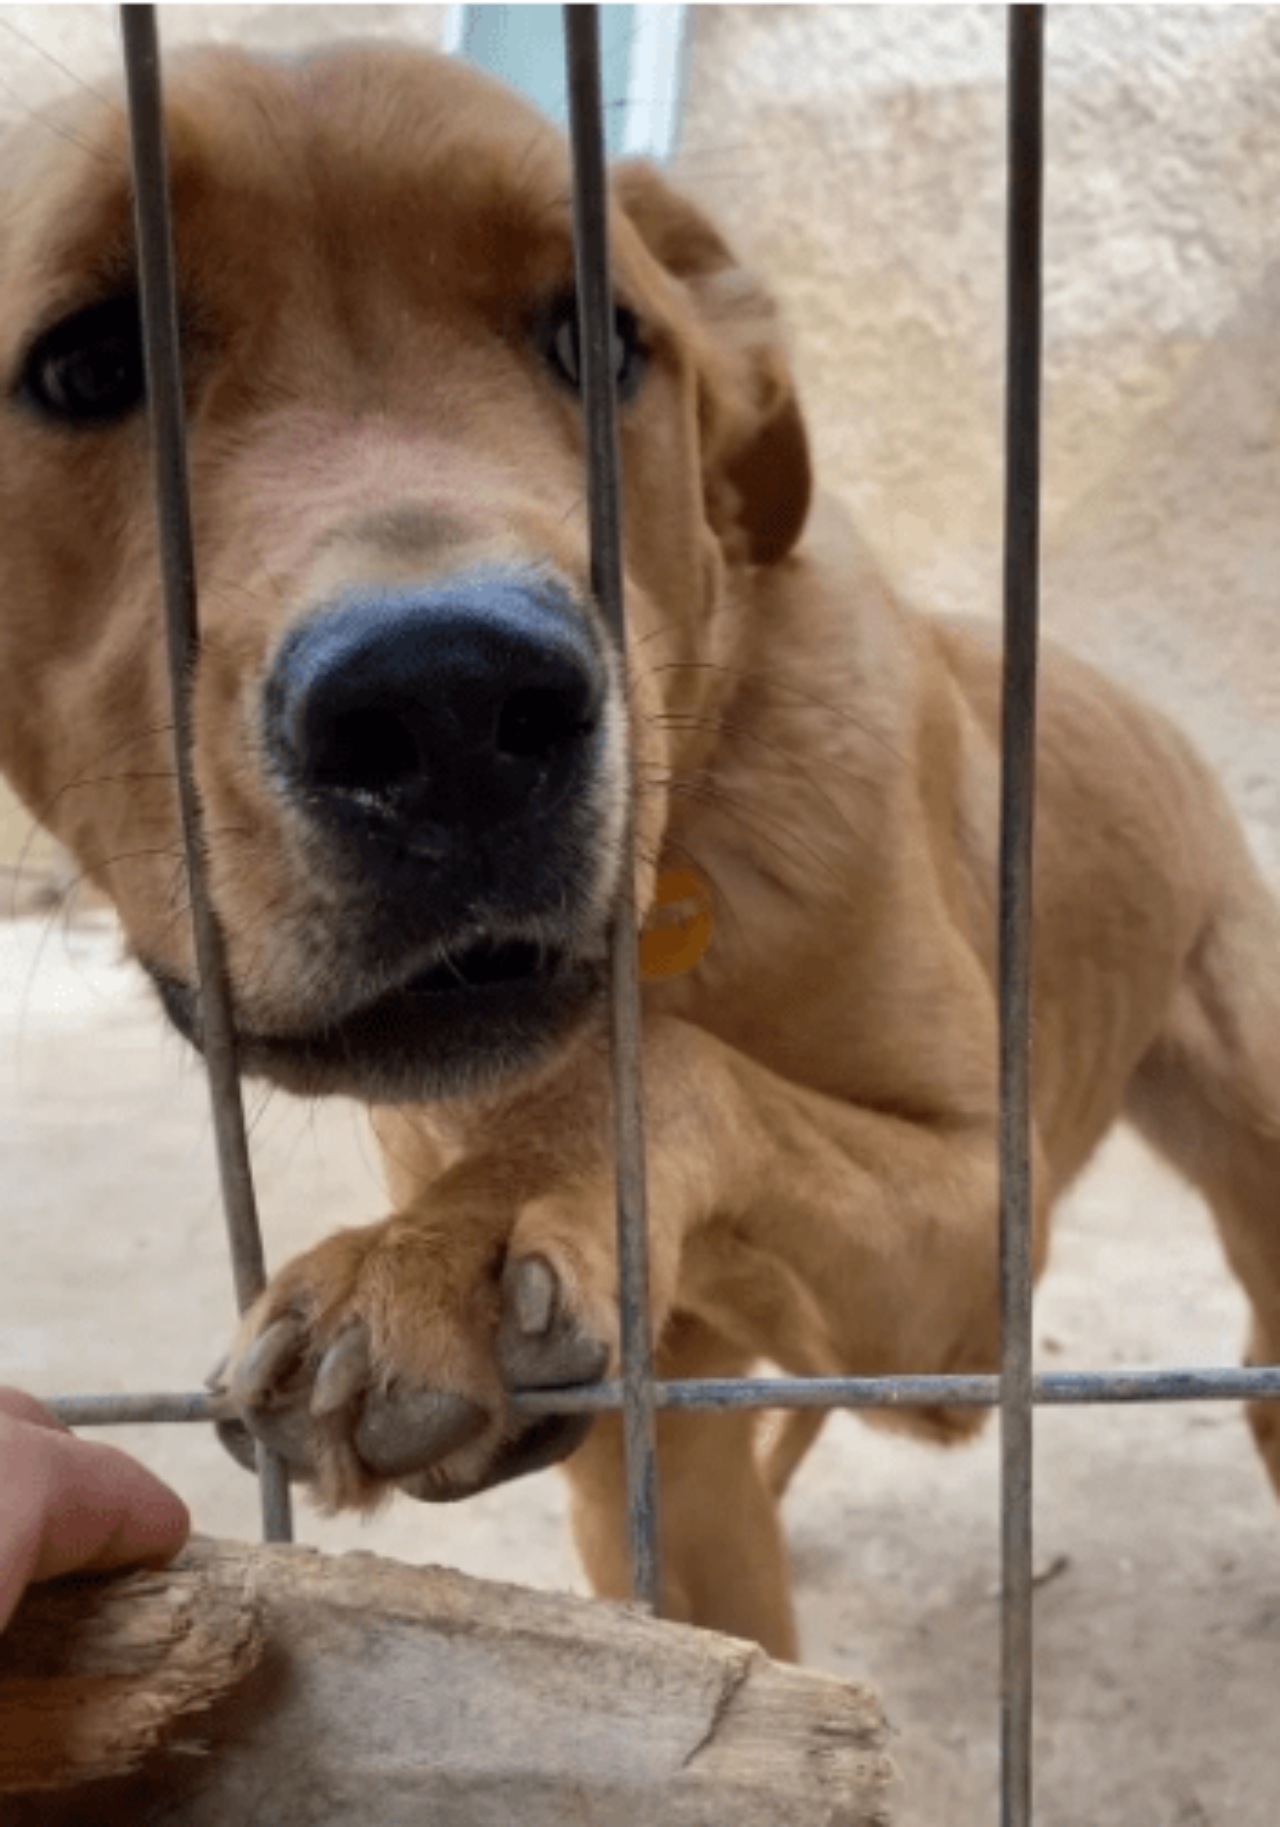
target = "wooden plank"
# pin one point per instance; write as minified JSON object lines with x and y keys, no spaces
{"x":356,"y":1692}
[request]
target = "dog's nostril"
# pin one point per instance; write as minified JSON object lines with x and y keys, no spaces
{"x":462,"y":707}
{"x":364,"y":751}
{"x":538,"y":720}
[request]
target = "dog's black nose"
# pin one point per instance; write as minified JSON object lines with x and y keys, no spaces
{"x":469,"y":702}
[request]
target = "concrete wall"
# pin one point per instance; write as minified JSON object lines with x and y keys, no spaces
{"x":857,"y":154}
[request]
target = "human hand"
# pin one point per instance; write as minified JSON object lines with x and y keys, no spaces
{"x":69,"y":1505}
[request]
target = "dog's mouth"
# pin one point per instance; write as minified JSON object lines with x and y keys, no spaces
{"x":483,"y":964}
{"x":480,"y":1012}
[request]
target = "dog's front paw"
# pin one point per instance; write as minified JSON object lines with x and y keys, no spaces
{"x":388,"y":1356}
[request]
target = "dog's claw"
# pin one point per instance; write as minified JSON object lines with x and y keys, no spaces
{"x":532,"y":1292}
{"x":258,"y":1377}
{"x":239,"y":1442}
{"x":343,"y":1372}
{"x":401,"y":1430}
{"x":541,"y":1342}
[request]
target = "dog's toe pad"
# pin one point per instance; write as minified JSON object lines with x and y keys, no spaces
{"x":282,"y":1430}
{"x":402,"y":1430}
{"x":550,"y":1439}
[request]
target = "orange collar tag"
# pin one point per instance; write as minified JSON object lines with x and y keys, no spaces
{"x":678,"y":930}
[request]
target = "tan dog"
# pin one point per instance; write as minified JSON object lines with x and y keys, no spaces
{"x":415,"y":746}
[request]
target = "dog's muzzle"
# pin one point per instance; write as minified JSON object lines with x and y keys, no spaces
{"x":439,"y":753}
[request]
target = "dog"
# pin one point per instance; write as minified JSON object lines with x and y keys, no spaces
{"x":419,"y":751}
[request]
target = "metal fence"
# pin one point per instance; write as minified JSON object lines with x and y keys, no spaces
{"x":1015,"y":1391}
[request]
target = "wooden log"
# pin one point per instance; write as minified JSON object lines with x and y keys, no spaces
{"x":356,"y":1692}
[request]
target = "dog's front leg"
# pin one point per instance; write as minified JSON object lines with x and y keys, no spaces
{"x":824,"y":1233}
{"x":386,"y":1355}
{"x":792,"y":1224}
{"x":812,"y":1231}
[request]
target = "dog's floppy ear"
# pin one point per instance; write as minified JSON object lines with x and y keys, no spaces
{"x":755,"y":450}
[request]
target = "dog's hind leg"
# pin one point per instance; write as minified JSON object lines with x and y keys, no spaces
{"x":788,"y":1445}
{"x":723,"y":1557}
{"x":1207,"y":1096}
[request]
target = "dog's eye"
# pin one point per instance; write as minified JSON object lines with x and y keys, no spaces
{"x":560,"y":345}
{"x":88,"y":370}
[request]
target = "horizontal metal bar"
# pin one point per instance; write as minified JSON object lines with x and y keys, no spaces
{"x":1056,"y":1389}
{"x":124,"y":1411}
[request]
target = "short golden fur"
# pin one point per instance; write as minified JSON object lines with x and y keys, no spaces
{"x":361,"y":237}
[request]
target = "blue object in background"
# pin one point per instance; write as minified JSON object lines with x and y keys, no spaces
{"x":641,"y":59}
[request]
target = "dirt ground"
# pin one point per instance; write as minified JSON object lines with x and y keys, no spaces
{"x":1158,"y":1654}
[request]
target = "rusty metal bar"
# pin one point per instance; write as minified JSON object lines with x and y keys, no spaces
{"x":159,"y":302}
{"x":134,"y":1410}
{"x":1017,"y":812}
{"x":1057,"y":1389}
{"x":596,"y":339}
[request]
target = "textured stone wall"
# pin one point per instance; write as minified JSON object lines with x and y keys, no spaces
{"x":857,"y":155}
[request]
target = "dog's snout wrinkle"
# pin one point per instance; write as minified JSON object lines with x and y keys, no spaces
{"x":463,"y":704}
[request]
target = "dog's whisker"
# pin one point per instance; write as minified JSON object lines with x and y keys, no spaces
{"x":678,"y":624}
{"x":41,"y":820}
{"x":722,"y":800}
{"x":42,"y":816}
{"x":787,"y":696}
{"x":262,"y":1103}
{"x":787,"y":758}
{"x":42,"y":51}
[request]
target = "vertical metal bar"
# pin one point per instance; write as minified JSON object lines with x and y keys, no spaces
{"x":595,"y":337}
{"x":158,"y":295}
{"x":1017,"y":807}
